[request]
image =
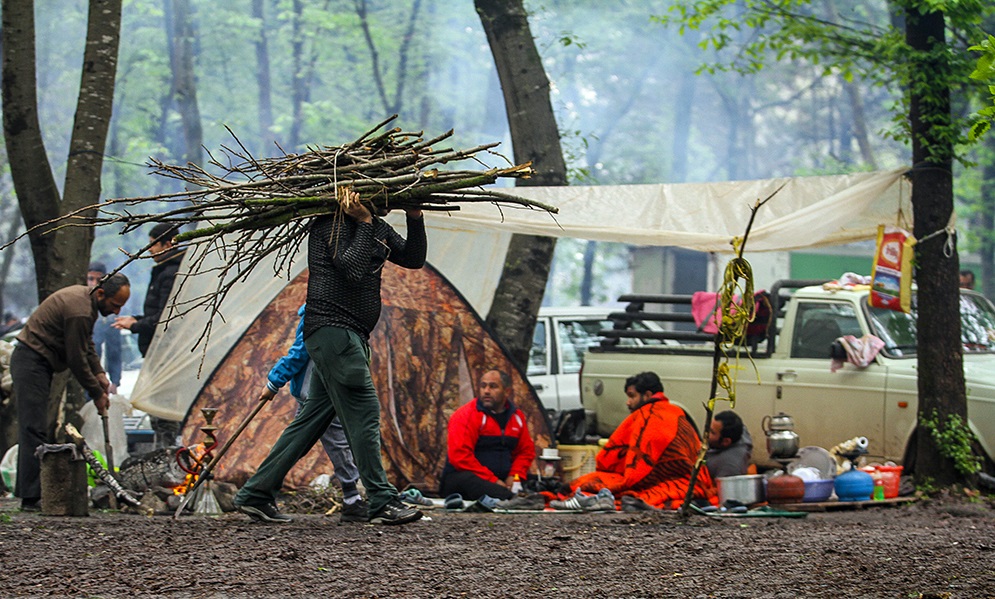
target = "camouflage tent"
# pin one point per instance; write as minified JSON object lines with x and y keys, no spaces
{"x":429,"y":349}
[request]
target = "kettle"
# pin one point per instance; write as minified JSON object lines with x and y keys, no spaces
{"x":782,"y":440}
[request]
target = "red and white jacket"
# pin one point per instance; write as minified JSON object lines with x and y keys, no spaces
{"x":479,"y":444}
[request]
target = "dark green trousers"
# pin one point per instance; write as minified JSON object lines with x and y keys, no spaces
{"x":342,"y":385}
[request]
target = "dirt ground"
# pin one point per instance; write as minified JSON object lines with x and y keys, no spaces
{"x":937,"y":548}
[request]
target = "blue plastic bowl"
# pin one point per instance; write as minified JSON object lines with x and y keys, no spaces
{"x":818,"y":490}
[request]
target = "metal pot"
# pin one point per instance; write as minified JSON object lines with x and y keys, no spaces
{"x":781,"y":422}
{"x":782,"y":444}
{"x":746,"y":489}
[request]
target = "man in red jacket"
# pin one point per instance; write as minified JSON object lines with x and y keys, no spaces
{"x":489,"y":443}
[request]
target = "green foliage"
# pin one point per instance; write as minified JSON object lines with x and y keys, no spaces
{"x":926,"y":485}
{"x":954,"y":440}
{"x":984,"y":72}
{"x":856,"y":42}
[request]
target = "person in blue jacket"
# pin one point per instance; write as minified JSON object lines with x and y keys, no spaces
{"x":295,"y":368}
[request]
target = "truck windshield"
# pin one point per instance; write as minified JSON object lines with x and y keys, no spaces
{"x":898,"y":330}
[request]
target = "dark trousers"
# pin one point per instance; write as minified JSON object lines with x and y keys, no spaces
{"x":472,"y":487}
{"x":32,"y":376}
{"x":340,"y":385}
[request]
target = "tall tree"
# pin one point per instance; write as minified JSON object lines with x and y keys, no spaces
{"x":391,"y":105}
{"x":60,"y":255}
{"x":263,"y":79}
{"x":941,"y":379}
{"x":183,"y":91}
{"x":535,"y":137}
{"x":921,"y":62}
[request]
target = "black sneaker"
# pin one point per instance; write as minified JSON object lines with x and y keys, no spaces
{"x":357,"y":511}
{"x":31,"y":505}
{"x":264,"y":513}
{"x":530,"y":502}
{"x":636,"y":504}
{"x":395,"y":512}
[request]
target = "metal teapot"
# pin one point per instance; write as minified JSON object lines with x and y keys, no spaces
{"x":782,"y":440}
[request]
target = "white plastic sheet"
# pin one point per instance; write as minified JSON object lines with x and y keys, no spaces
{"x":468,"y":247}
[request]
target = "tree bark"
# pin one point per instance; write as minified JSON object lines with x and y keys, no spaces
{"x":941,"y":368}
{"x":299,"y":91}
{"x":860,"y":124}
{"x":535,"y":137}
{"x":37,"y":194}
{"x":263,"y":80}
{"x":60,"y":256}
{"x":13,"y":221}
{"x":390,"y":106}
{"x":185,"y":82}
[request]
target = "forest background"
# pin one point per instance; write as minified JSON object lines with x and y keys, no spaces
{"x":284,"y":74}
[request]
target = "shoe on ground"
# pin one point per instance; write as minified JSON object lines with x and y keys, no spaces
{"x":525,"y":503}
{"x":454,"y":502}
{"x":357,"y":511}
{"x":636,"y":504}
{"x":604,"y":501}
{"x":395,"y":512}
{"x":31,"y":505}
{"x":488,"y":502}
{"x":266,"y":512}
{"x":413,"y":497}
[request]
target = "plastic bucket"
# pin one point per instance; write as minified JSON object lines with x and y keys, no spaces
{"x":891,"y":476}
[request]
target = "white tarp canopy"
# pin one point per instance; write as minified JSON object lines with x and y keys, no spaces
{"x":468,"y":247}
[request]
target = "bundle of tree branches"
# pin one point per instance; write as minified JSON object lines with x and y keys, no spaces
{"x":248,"y":210}
{"x":389,"y":170}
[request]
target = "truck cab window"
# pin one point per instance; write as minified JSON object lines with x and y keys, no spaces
{"x":818,"y":325}
{"x":576,"y":336}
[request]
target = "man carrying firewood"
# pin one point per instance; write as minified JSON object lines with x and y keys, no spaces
{"x":346,"y":254}
{"x":57,"y":336}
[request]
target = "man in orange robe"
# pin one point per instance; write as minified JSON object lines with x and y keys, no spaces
{"x":651,"y":454}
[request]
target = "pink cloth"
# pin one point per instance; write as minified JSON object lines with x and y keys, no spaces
{"x":859,"y":352}
{"x":706,"y":316}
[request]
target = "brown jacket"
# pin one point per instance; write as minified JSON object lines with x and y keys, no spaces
{"x":61,"y":330}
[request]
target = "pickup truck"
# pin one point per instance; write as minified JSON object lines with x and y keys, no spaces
{"x":562,"y":336}
{"x":792,"y":364}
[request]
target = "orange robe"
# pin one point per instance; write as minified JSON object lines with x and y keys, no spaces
{"x":650,"y":456}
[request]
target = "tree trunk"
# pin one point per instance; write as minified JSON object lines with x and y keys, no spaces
{"x":263,"y":79}
{"x":60,"y":256}
{"x":587,"y":279}
{"x":941,"y":368}
{"x":860,"y":124}
{"x":299,"y":91}
{"x":535,"y":137}
{"x":185,"y":82}
{"x":37,"y":194}
{"x":390,"y":106}
{"x":13,"y":220}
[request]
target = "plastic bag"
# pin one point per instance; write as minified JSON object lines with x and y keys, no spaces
{"x":93,"y":427}
{"x":891,"y":285}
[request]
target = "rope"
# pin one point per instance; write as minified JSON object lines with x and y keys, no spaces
{"x":735,"y":318}
{"x":950,"y":230}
